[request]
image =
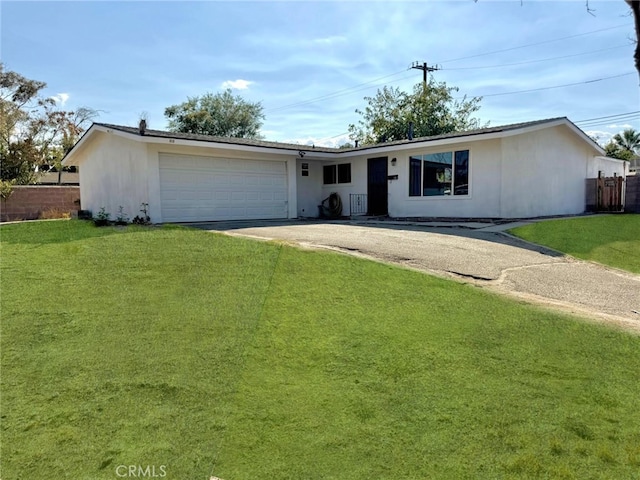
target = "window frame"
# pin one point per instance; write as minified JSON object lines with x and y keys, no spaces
{"x":335,"y":175}
{"x":332,"y":175}
{"x":460,"y":166}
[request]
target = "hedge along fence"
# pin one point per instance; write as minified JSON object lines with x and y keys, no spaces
{"x":29,"y":202}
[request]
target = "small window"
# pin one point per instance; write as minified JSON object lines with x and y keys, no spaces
{"x":461,"y":170}
{"x":337,"y":174}
{"x":329,"y":174}
{"x":415,"y":174}
{"x":344,"y":173}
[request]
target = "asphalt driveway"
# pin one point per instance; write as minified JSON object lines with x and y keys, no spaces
{"x":476,"y":253}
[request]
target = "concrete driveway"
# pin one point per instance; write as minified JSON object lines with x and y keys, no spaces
{"x":477,"y":253}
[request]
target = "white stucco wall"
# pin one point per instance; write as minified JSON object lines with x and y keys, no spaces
{"x":114,"y":173}
{"x":543,"y":173}
{"x":309,"y":188}
{"x":536,"y":173}
{"x":118,"y":171}
{"x":485,"y":159}
{"x":358,"y":181}
{"x":608,"y":166}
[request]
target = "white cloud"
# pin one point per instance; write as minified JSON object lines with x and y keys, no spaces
{"x":600,"y":136}
{"x":60,"y":98}
{"x":237,"y":84}
{"x":333,"y":142}
{"x":621,"y":127}
{"x":330,"y":40}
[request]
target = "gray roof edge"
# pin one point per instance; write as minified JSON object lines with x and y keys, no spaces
{"x":249,"y":142}
{"x":307,"y":148}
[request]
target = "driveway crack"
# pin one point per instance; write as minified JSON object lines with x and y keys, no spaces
{"x":471,"y":276}
{"x":506,"y":271}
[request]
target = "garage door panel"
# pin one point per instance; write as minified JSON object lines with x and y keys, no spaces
{"x":255,"y":180}
{"x":196,"y":188}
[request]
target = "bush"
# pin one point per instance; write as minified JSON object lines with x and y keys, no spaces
{"x":102,"y":218}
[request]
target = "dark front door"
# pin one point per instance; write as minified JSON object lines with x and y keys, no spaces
{"x":377,"y":186}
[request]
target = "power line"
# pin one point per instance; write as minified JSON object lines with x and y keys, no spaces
{"x":336,"y":136}
{"x":608,"y":116}
{"x":603,"y":125}
{"x":609,"y":123}
{"x":628,"y":117}
{"x":335,"y":94}
{"x":534,"y":44}
{"x":554,"y":86}
{"x":372,"y":83}
{"x":539,"y":60}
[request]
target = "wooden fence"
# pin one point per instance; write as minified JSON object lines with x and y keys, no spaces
{"x":605,"y":194}
{"x":632,"y":194}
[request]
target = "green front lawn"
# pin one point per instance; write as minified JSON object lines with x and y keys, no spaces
{"x":200,"y":354}
{"x":609,"y":239}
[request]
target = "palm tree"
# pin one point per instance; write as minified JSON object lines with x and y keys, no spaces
{"x":629,"y":140}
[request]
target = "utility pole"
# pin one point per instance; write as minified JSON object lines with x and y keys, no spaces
{"x":425,"y":69}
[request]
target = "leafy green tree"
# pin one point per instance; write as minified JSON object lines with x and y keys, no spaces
{"x":33,"y":131}
{"x":613,"y":150}
{"x":628,"y":140}
{"x":17,"y":152}
{"x":625,"y":145}
{"x":220,"y":115}
{"x":431,"y":109}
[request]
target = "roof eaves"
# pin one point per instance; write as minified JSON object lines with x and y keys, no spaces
{"x":220,"y":140}
{"x":260,"y":145}
{"x":78,"y":145}
{"x":469,"y":133}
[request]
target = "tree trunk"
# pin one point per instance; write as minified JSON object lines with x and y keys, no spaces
{"x":634,"y":5}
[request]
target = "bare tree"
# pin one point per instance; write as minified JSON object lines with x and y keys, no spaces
{"x":634,"y":5}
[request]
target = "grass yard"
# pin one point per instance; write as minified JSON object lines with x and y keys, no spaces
{"x":198,"y":354}
{"x":612,"y":240}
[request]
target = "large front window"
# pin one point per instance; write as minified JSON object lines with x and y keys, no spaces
{"x":439,"y":174}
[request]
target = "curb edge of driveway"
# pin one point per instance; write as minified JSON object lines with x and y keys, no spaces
{"x":619,"y":271}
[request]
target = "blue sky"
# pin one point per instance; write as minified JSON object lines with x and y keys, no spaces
{"x":311,"y":63}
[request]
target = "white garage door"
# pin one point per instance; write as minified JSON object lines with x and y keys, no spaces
{"x":194,"y":189}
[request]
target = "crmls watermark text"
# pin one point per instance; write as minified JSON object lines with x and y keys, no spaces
{"x":141,"y":471}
